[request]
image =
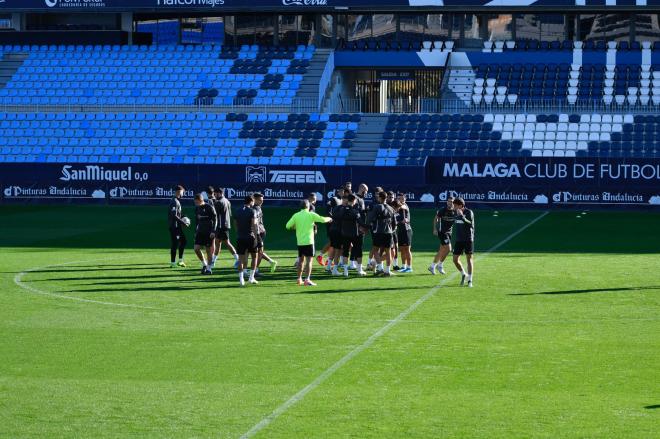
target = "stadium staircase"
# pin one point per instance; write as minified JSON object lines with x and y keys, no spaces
{"x":309,"y":87}
{"x":366,"y":144}
{"x":9,"y":65}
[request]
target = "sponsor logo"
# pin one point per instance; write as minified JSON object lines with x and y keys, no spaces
{"x":75,"y":3}
{"x":96,"y":173}
{"x":541,"y":199}
{"x":300,"y":177}
{"x":256,"y":174}
{"x":467,"y":196}
{"x":98,"y":193}
{"x":279,"y":194}
{"x":480,"y":171}
{"x":305,"y":2}
{"x":121,"y":192}
{"x":427,"y":198}
{"x":655,"y":200}
{"x":44,"y":192}
{"x":211,"y":3}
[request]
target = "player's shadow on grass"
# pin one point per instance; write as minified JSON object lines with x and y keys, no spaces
{"x":585,"y":291}
{"x":309,"y":290}
{"x":652,"y":406}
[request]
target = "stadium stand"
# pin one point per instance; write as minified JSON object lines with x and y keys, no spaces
{"x":617,"y":74}
{"x":409,"y":139}
{"x":177,"y":138}
{"x":156,"y":75}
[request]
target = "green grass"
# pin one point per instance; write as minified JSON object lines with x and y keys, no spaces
{"x":559,"y":338}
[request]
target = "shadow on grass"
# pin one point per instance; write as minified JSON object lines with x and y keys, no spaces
{"x":311,"y":290}
{"x":652,"y":407}
{"x":593,"y":290}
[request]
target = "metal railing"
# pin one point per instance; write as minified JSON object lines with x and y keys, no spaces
{"x":342,"y":105}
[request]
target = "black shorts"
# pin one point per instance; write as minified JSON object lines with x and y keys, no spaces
{"x":176,"y":234}
{"x":358,"y":245}
{"x":246,"y":245}
{"x":395,"y":239}
{"x":404,"y":237}
{"x":203,"y":239}
{"x":260,"y":240}
{"x":222,"y":234}
{"x":335,"y":238}
{"x":466,"y":247}
{"x":306,"y":251}
{"x":382,"y":240}
{"x":445,"y":238}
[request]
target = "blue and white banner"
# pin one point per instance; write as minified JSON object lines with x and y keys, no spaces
{"x":548,"y":181}
{"x":284,"y":5}
{"x":519,"y":182}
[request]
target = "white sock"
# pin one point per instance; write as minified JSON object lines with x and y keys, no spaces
{"x":360,"y":267}
{"x":469,"y":278}
{"x":380,"y":266}
{"x":396,"y":261}
{"x":405,"y":266}
{"x":463,"y":273}
{"x":241,"y":276}
{"x":236,"y":256}
{"x":180,"y":259}
{"x":387,"y":269}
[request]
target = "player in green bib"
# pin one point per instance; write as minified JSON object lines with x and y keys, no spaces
{"x":303,"y":223}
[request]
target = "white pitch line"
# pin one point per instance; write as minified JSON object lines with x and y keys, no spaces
{"x":370,"y":341}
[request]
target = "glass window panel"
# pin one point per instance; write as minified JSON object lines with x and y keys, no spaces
{"x":244,"y":29}
{"x":230,"y":31}
{"x":213,"y":30}
{"x":191,"y":30}
{"x":341,"y":30}
{"x":264,"y":29}
{"x":412,"y":27}
{"x":288,"y":25}
{"x":471,"y":27}
{"x":307,"y":29}
{"x":552,"y":27}
{"x":437,"y":26}
{"x":384,"y":27}
{"x":325,"y":33}
{"x":647,"y":27}
{"x":499,"y":27}
{"x":528,"y":27}
{"x":610,"y":27}
{"x":359,"y":27}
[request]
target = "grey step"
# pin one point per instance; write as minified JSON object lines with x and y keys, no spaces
{"x":366,"y":144}
{"x":9,"y":64}
{"x":309,"y":87}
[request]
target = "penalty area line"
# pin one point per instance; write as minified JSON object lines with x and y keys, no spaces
{"x":280,"y":410}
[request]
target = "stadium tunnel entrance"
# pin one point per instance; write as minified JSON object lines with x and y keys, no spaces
{"x":389,"y":90}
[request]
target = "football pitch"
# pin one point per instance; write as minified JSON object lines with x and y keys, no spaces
{"x":560,"y":337}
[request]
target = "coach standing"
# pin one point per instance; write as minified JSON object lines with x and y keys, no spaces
{"x":176,"y":224}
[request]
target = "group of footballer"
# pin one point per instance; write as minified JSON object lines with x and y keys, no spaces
{"x":350,"y":216}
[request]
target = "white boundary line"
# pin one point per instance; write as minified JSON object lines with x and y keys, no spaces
{"x":370,"y":341}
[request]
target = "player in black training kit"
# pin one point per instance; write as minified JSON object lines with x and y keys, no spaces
{"x":351,"y":217}
{"x":222,"y":208}
{"x":176,"y":224}
{"x":381,"y":218}
{"x":247,"y":229}
{"x":443,"y":223}
{"x":464,"y":221}
{"x":334,"y":233}
{"x":404,"y":233}
{"x":205,"y":231}
{"x":258,"y":202}
{"x":361,"y":205}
